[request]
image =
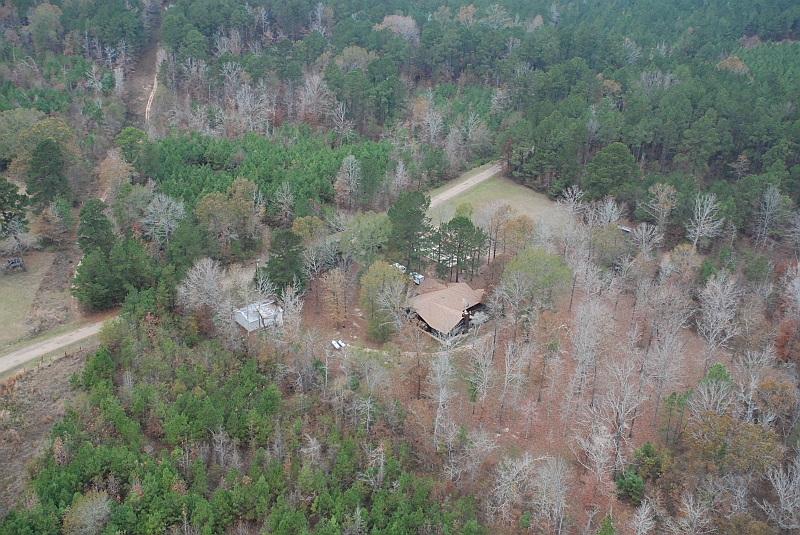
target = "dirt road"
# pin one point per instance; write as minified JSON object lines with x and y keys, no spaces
{"x":31,"y":352}
{"x":464,"y":186}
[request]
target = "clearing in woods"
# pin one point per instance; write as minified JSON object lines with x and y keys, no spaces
{"x":17,"y":291}
{"x":498,"y":188}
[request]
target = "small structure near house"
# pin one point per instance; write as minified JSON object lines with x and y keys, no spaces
{"x":416,"y":278}
{"x":258,"y":315}
{"x":13,"y":264}
{"x":447,"y":309}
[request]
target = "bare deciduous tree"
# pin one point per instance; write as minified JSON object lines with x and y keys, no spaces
{"x":741,"y":166}
{"x":632,"y":51}
{"x":663,"y":198}
{"x":768,"y":215}
{"x":571,"y":200}
{"x":333,"y":283}
{"x":693,"y":518}
{"x":666,"y":367}
{"x":603,"y":213}
{"x":292,"y":304}
{"x":284,"y":203}
{"x":404,"y":26}
{"x":792,"y":232}
{"x":785,"y":512}
{"x":393,"y":300}
{"x":586,"y":334}
{"x":318,"y":257}
{"x":348,"y":182}
{"x":711,"y":396}
{"x":551,"y":488}
{"x":595,"y":443}
{"x":440,"y":378}
{"x":454,"y":149}
{"x":511,"y":486}
{"x":320,"y":17}
{"x":646,"y":238}
{"x":89,"y":514}
{"x":400,"y":179}
{"x":202,"y":286}
{"x":750,"y":367}
{"x":514,"y":358}
{"x":705,"y":222}
{"x":643,"y":520}
{"x":516,"y":289}
{"x":313,"y":99}
{"x":620,"y":398}
{"x":717,"y":323}
{"x":222,"y":444}
{"x":476,"y":134}
{"x":432,"y":123}
{"x":161,"y":218}
{"x":790,"y":293}
{"x":483,"y":374}
{"x":467,"y":460}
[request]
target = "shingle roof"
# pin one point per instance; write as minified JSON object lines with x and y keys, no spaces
{"x":442,"y":309}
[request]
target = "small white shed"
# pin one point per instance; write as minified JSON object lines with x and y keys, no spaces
{"x":258,"y":315}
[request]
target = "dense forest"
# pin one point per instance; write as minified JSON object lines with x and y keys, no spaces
{"x":632,"y":367}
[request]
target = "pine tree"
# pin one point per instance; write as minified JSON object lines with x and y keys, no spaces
{"x":95,"y":230}
{"x":46,"y":178}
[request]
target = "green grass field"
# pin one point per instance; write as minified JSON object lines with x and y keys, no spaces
{"x":17,"y":291}
{"x":469,"y":174}
{"x":522,"y":199}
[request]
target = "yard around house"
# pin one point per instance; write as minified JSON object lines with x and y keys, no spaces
{"x":498,"y":188}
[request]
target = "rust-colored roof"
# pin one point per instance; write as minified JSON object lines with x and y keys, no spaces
{"x":442,"y":309}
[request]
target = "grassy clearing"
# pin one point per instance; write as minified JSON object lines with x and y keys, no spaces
{"x":469,"y":174}
{"x":522,"y":199}
{"x":17,"y":291}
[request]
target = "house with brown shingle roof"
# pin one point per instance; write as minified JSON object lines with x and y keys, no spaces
{"x":444,"y":307}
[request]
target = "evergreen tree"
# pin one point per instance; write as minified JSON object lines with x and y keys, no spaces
{"x":95,"y":285}
{"x":612,"y":172}
{"x":410,"y":225}
{"x":606,"y":526}
{"x":130,"y":265}
{"x":95,"y":230}
{"x":285,"y":263}
{"x":46,"y":178}
{"x":461,"y":245}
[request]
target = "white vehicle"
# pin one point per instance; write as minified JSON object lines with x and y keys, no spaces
{"x":416,"y":277}
{"x":335,"y":344}
{"x":400,"y":267}
{"x":342,"y":344}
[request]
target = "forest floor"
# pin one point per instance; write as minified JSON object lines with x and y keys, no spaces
{"x":538,"y":427}
{"x":29,"y":404}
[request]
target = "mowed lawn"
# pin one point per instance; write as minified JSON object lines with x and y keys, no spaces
{"x":523,"y":200}
{"x":456,"y":181}
{"x":17,"y":291}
